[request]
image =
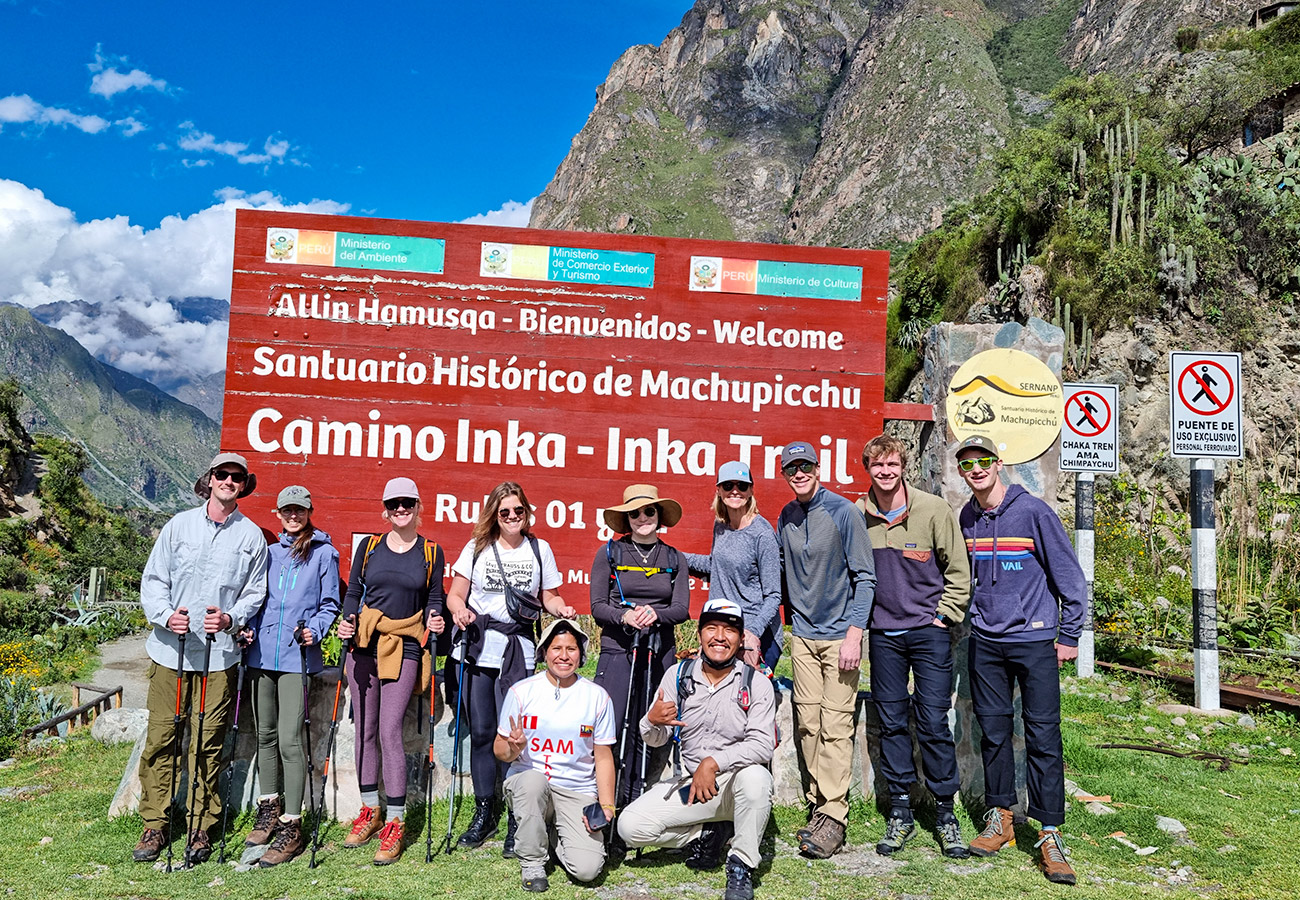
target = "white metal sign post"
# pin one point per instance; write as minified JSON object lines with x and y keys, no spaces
{"x":1089,"y":444}
{"x":1205,"y":424}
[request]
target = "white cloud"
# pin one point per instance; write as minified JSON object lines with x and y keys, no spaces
{"x":108,"y":80}
{"x":47,"y":256}
{"x":512,"y":214}
{"x":131,"y":126}
{"x":22,"y":109}
{"x":203,"y":142}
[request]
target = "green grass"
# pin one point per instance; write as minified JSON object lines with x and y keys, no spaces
{"x":1253,"y":809}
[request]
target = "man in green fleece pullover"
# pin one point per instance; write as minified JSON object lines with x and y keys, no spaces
{"x":922,"y":587}
{"x":829,"y":583}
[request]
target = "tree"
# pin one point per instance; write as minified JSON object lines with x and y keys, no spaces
{"x":1206,"y":104}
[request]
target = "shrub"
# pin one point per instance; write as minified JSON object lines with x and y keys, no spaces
{"x":1187,"y":38}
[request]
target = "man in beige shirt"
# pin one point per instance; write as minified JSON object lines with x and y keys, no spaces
{"x":725,"y":720}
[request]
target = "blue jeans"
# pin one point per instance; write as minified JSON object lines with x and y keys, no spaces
{"x":926,"y":654}
{"x":996,"y":667}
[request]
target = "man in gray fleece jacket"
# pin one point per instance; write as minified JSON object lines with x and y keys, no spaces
{"x":829,"y":585}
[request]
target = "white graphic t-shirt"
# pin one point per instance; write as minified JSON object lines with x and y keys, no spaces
{"x":562,"y":727}
{"x":487,"y":595}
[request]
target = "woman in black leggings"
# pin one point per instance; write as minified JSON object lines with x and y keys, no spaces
{"x":497,"y":647}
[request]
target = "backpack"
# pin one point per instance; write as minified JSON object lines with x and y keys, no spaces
{"x":647,"y":571}
{"x":430,"y":549}
{"x":686,"y":687}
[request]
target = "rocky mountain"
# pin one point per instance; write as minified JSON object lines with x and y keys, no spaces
{"x":833,"y":122}
{"x":145,"y":446}
{"x":173,"y":373}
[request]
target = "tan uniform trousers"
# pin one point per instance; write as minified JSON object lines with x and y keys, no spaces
{"x":744,"y":797}
{"x":824,"y":699}
{"x":156,"y":759}
{"x":536,"y":803}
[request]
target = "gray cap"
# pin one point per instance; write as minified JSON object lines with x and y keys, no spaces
{"x":799,"y":451}
{"x":294,"y":495}
{"x":978,"y":442}
{"x":735,"y":471}
{"x":401,"y":487}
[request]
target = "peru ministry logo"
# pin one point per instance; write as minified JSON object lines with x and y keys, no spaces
{"x":282,"y":245}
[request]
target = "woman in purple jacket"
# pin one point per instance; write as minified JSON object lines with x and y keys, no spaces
{"x":302,"y":585}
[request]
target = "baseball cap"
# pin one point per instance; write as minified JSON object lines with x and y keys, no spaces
{"x":294,"y":495}
{"x":401,"y":487}
{"x":799,"y":451}
{"x":978,"y":442}
{"x":735,"y":471}
{"x":721,"y":609}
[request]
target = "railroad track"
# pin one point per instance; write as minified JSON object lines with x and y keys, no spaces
{"x":1231,"y":696}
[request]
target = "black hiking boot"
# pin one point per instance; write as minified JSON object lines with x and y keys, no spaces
{"x":482,"y":826}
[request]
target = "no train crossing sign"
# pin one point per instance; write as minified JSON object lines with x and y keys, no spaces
{"x":1089,"y":440}
{"x":1205,"y":405}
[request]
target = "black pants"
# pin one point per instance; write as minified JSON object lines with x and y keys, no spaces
{"x":479,"y":709}
{"x":996,"y":667}
{"x":615,"y":673}
{"x":925,"y":653}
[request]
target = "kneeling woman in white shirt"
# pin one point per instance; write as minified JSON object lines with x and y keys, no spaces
{"x":556,"y":731}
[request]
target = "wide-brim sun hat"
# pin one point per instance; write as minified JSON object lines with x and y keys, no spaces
{"x":559,"y":626}
{"x":636,"y":496}
{"x":203,"y":487}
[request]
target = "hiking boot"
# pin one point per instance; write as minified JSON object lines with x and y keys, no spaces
{"x":825,"y":841}
{"x":705,"y":852}
{"x":806,"y":832}
{"x":390,"y":843}
{"x":534,"y":879}
{"x":482,"y":826}
{"x":287,"y":843}
{"x":199,"y":848}
{"x":508,"y":845}
{"x":951,"y":842}
{"x":150,"y":846}
{"x":740,"y":880}
{"x":999,"y":831}
{"x":897,"y":831}
{"x":1053,"y":858}
{"x":365,"y":826}
{"x":268,"y":816}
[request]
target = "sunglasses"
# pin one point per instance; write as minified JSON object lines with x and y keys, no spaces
{"x":648,"y":512}
{"x":986,"y":462}
{"x":511,"y":512}
{"x":400,"y":503}
{"x":734,"y":485}
{"x":235,"y":475}
{"x":806,"y":467}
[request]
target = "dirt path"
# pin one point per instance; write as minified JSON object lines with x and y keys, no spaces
{"x":124,"y":662}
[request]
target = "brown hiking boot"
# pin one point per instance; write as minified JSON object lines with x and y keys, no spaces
{"x":1052,"y":858}
{"x":825,"y":841}
{"x":287,"y":843}
{"x":390,"y":844}
{"x":199,"y":848}
{"x":364,"y":827}
{"x":150,"y":846}
{"x":268,"y":814}
{"x":813,"y":823}
{"x":999,"y":831}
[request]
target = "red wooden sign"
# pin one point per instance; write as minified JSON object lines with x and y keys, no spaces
{"x":574,"y":363}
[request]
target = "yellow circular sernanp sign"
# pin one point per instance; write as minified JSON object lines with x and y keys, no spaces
{"x":1009,"y":396}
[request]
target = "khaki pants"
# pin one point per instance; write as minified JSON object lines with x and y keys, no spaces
{"x":536,"y":803}
{"x":824,"y":700}
{"x":156,"y":760}
{"x":744,"y":797}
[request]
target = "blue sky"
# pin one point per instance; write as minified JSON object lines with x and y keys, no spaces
{"x":131,"y":131}
{"x":400,"y":109}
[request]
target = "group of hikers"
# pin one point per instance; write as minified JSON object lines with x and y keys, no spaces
{"x":571,"y":756}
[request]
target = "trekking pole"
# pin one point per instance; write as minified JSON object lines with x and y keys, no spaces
{"x":234,"y":745}
{"x":621,"y":779}
{"x":428,"y":786}
{"x":455,"y":750}
{"x":652,"y":651}
{"x":198,"y":743}
{"x":329,"y":751}
{"x":306,"y":716}
{"x":176,"y":742}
